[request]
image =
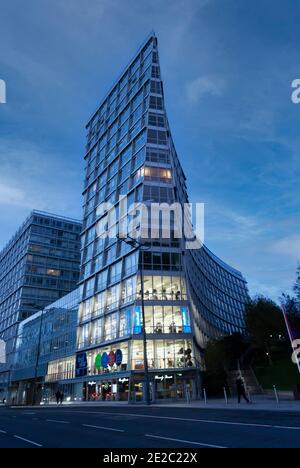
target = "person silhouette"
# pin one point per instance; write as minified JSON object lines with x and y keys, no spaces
{"x":240,"y":388}
{"x":57,"y":395}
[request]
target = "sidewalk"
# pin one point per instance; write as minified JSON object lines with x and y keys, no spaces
{"x":259,"y":403}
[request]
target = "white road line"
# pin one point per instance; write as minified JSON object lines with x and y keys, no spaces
{"x":206,"y":421}
{"x":101,"y":427}
{"x":56,"y":421}
{"x":3,"y":432}
{"x":27,"y":440}
{"x":184,"y":441}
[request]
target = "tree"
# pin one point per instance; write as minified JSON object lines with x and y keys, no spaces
{"x":265,"y":324}
{"x":226,"y":352}
{"x":221,"y":356}
{"x":297,"y":284}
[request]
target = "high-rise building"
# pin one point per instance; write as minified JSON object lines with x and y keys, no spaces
{"x":39,"y":265}
{"x":189,"y":295}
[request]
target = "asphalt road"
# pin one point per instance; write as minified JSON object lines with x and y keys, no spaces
{"x":140,"y":427}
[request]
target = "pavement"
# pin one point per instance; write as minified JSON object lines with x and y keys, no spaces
{"x":119,"y":425}
{"x":265,"y":402}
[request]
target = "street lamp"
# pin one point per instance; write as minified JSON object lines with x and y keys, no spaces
{"x":38,"y":352}
{"x":138,"y":245}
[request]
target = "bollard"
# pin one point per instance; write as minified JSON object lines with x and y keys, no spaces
{"x":204,"y":395}
{"x":225,"y":396}
{"x":276,"y":394}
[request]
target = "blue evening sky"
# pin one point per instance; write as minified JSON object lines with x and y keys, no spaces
{"x":227,"y":67}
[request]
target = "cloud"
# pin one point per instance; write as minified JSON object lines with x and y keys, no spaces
{"x":13,"y":196}
{"x":203,"y":85}
{"x":37,"y":177}
{"x":287,"y":246}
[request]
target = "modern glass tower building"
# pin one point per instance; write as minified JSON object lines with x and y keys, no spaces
{"x":39,"y":265}
{"x":189,"y":296}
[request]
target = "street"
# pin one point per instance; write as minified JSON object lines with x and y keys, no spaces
{"x":141,"y":427}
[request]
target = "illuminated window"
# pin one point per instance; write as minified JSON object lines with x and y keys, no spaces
{"x":52,"y":272}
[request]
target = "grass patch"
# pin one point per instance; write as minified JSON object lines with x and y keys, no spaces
{"x":284,"y":374}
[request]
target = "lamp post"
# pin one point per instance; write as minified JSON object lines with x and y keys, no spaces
{"x":138,"y":245}
{"x":38,"y":352}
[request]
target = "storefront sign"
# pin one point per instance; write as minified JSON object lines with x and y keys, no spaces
{"x":185,"y":320}
{"x":119,"y":357}
{"x":111,"y":358}
{"x":137,"y":325}
{"x":163,"y":377}
{"x":81,"y":365}
{"x":98,"y":361}
{"x":108,"y":359}
{"x":123,"y":380}
{"x":104,"y":360}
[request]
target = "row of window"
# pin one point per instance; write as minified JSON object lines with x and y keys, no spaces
{"x":122,"y":88}
{"x":156,"y":288}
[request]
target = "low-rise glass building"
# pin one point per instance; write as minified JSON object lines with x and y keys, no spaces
{"x":48,"y":335}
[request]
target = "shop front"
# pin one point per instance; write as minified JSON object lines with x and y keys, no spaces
{"x":114,"y":389}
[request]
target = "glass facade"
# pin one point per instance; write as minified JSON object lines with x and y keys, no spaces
{"x":39,"y":265}
{"x":47,"y":335}
{"x":185,"y":296}
{"x":189,"y":296}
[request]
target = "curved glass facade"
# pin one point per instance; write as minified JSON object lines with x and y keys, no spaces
{"x":188,"y":296}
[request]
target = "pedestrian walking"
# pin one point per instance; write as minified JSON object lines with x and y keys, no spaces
{"x":240,"y":388}
{"x":61,"y":398}
{"x":57,"y":395}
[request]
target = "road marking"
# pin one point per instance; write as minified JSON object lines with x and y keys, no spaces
{"x":206,"y":421}
{"x":27,"y":440}
{"x":56,"y":421}
{"x":28,"y":412}
{"x":185,"y":441}
{"x":101,"y":427}
{"x":3,"y":432}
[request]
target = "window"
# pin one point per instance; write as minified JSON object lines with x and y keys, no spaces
{"x":110,"y":327}
{"x":52,"y":272}
{"x":126,"y":155}
{"x":101,"y":280}
{"x":156,"y":120}
{"x":157,"y":173}
{"x":139,"y":141}
{"x":155,"y":72}
{"x":155,"y":87}
{"x":128,"y":289}
{"x":86,"y":309}
{"x":138,"y":159}
{"x":89,"y":287}
{"x":138,"y":176}
{"x":130,"y":263}
{"x":157,"y":137}
{"x":99,"y":306}
{"x":125,"y":172}
{"x":156,"y":103}
{"x":113,"y":294}
{"x":115,"y":272}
